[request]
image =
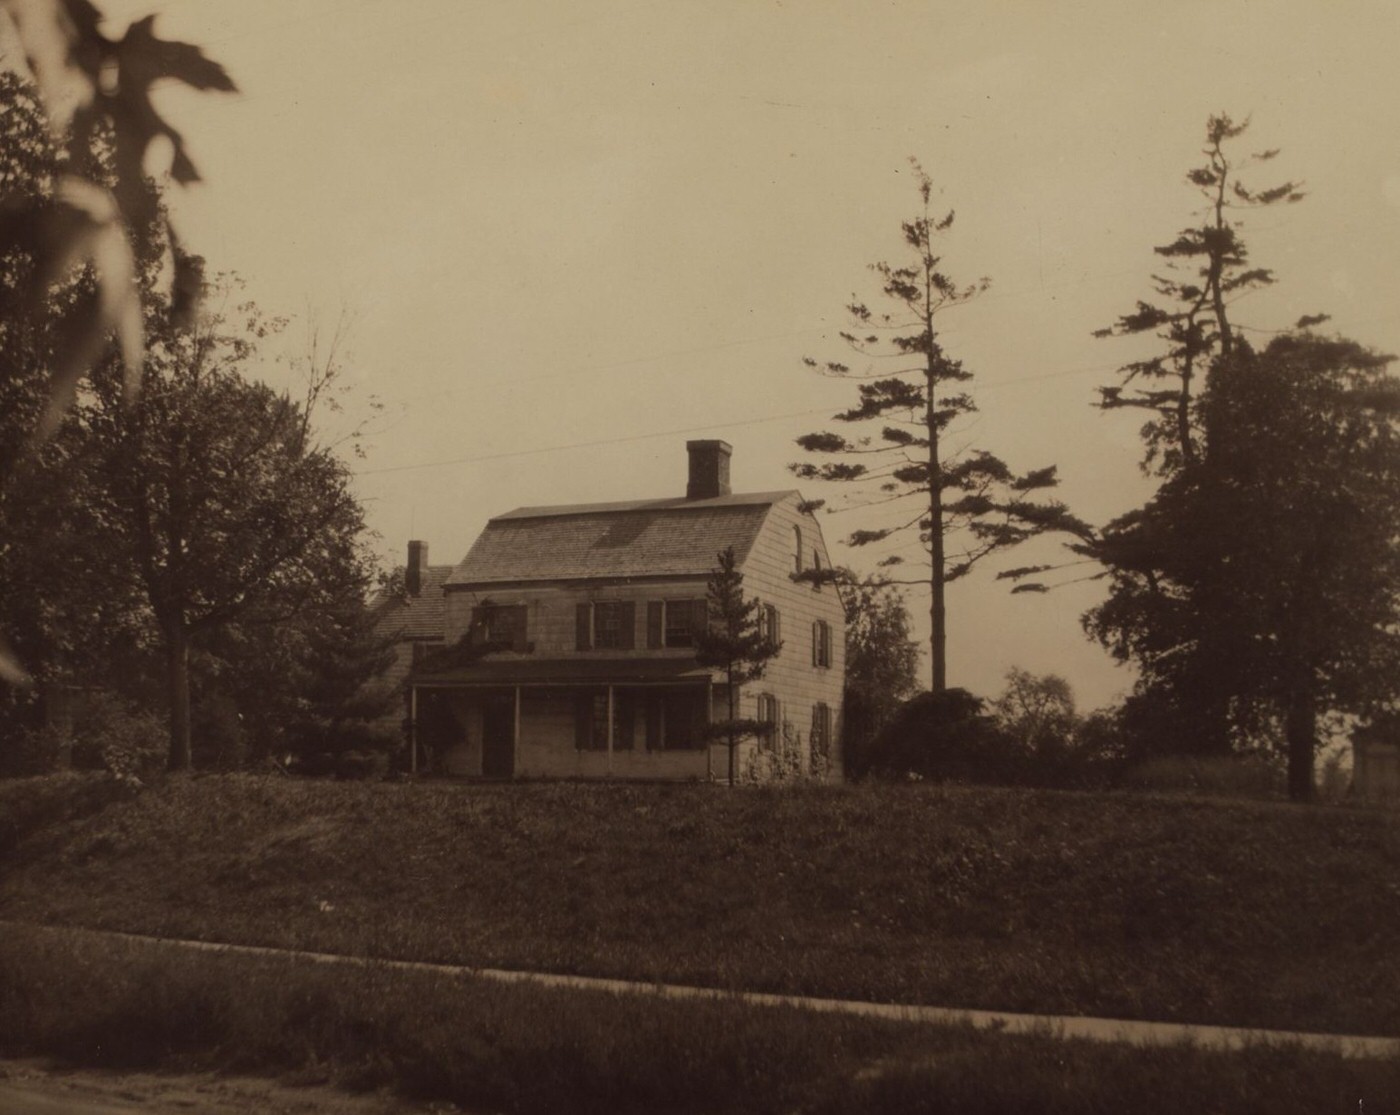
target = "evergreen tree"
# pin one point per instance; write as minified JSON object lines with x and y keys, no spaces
{"x":734,"y":641}
{"x":962,"y":505}
{"x":1207,"y":268}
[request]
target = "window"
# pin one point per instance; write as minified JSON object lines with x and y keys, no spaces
{"x":768,"y":715}
{"x":675,"y":721}
{"x":591,"y":722}
{"x":797,"y":549}
{"x":673,"y":623}
{"x":821,"y":643}
{"x":821,"y":729}
{"x":607,"y":625}
{"x":770,"y":623}
{"x":421,"y":651}
{"x":501,"y":626}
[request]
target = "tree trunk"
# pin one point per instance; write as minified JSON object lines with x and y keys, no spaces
{"x":1300,"y":728}
{"x":938,"y":614}
{"x":733,"y":738}
{"x":177,"y":649}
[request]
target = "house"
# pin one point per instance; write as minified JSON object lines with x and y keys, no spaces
{"x":576,"y":631}
{"x":410,"y":614}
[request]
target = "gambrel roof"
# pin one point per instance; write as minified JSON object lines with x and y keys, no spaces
{"x":646,"y":538}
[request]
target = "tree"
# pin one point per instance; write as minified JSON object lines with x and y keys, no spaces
{"x":1190,"y":313}
{"x":227,"y":508}
{"x":1037,"y":712}
{"x":882,"y":663}
{"x":970,"y":495}
{"x":734,"y":641}
{"x":1277,"y":579}
{"x":67,"y":224}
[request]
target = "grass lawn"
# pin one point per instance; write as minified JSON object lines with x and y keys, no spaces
{"x":525,"y":1049}
{"x":1134,"y":906}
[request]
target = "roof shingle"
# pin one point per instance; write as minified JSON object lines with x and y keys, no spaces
{"x":669,"y":538}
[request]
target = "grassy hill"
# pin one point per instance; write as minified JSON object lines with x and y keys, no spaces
{"x":1230,"y":912}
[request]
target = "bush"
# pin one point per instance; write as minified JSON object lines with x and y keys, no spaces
{"x":110,"y":735}
{"x":943,"y":736}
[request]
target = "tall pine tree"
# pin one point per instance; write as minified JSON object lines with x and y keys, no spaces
{"x":962,"y":505}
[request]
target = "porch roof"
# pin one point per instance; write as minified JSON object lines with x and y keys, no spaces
{"x":570,"y":671}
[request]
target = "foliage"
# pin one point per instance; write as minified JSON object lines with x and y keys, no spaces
{"x":735,"y":641}
{"x":1037,"y":713}
{"x":220,"y":498}
{"x":882,"y":662}
{"x":939,"y":493}
{"x":1260,"y":590}
{"x":1207,"y":267}
{"x":945,"y":736}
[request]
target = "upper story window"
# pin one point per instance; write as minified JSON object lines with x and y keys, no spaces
{"x":821,"y":643}
{"x":770,"y":623}
{"x":607,"y":625}
{"x":797,"y":549}
{"x":501,"y":626}
{"x":673,"y":623}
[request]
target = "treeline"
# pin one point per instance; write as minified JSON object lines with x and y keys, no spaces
{"x":183,"y":570}
{"x":1257,"y":592}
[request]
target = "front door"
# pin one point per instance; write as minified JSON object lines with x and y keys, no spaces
{"x":498,"y":735}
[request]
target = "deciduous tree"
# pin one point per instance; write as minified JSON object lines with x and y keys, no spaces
{"x":882,"y":664}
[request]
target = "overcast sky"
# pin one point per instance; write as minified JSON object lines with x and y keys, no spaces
{"x":573,"y":234}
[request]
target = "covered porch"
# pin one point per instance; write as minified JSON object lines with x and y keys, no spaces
{"x":610,"y":718}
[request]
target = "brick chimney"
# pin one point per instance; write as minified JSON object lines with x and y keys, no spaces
{"x":417,"y":567}
{"x":709,"y":469}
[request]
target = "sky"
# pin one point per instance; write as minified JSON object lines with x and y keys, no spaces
{"x":568,"y":236}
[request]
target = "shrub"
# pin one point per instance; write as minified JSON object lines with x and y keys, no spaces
{"x":945,"y":736}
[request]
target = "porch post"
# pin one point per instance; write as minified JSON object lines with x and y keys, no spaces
{"x":709,"y":718}
{"x":413,"y":729}
{"x":515,"y":735}
{"x":610,"y":728}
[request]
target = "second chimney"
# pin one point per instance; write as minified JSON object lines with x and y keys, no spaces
{"x":417,"y":567}
{"x":709,"y":469}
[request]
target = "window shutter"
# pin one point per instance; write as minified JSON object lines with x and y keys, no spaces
{"x":653,"y":723}
{"x":520,"y":628}
{"x":584,"y":627}
{"x":629,"y":626}
{"x":816,"y":636}
{"x":583,"y":721}
{"x":656,"y":615}
{"x":626,"y":714}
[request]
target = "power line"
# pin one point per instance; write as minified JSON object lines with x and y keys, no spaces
{"x":687,"y":430}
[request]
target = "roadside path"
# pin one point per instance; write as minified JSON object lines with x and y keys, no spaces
{"x":1124,"y":1031}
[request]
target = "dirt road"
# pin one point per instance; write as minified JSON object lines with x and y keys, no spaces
{"x":37,"y":1088}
